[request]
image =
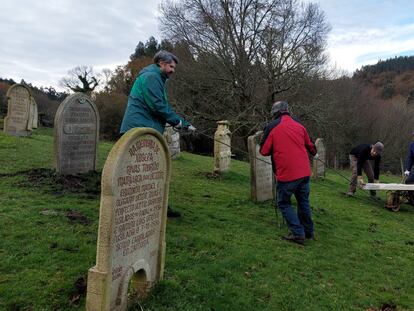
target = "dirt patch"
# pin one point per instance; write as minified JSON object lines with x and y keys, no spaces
{"x":77,"y":217}
{"x":210,"y":175}
{"x":50,"y":181}
{"x":79,"y":290}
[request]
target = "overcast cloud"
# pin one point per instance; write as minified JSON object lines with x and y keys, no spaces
{"x":42,"y":40}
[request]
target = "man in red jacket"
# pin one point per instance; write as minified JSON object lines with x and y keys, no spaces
{"x":288,"y":143}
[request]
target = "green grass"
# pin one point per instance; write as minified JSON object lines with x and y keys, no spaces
{"x":224,"y":253}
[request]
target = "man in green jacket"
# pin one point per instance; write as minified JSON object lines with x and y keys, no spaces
{"x":147,"y":103}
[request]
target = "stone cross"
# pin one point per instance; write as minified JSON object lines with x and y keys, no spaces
{"x":261,"y":174}
{"x":76,"y":135}
{"x":318,"y":166}
{"x":132,"y":220}
{"x":18,"y":121}
{"x":173,"y":140}
{"x":222,"y":147}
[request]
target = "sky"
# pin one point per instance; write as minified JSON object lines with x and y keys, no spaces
{"x":42,"y":40}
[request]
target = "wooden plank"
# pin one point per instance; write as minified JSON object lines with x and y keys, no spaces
{"x":380,"y":186}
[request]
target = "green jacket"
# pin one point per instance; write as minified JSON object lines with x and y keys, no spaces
{"x":148,"y":104}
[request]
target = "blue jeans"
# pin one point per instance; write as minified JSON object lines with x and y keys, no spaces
{"x":300,"y":223}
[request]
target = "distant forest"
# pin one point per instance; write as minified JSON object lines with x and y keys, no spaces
{"x":398,"y":64}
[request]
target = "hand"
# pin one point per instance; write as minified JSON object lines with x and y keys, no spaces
{"x":179,"y":125}
{"x":407,"y":172}
{"x":376,"y":181}
{"x":191,"y":129}
{"x":360,"y":181}
{"x":316,"y":157}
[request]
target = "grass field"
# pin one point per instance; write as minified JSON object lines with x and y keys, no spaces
{"x":224,"y":253}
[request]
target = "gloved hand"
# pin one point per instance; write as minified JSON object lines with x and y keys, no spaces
{"x":360,"y":181}
{"x":407,"y":172}
{"x":316,"y":157}
{"x":191,"y":129}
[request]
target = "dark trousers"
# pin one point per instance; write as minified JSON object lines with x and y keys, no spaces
{"x":299,"y":223}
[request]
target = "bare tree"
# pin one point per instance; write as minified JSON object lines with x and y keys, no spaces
{"x":244,"y":52}
{"x":80,"y":79}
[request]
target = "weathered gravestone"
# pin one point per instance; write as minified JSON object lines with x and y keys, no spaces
{"x":33,"y":115}
{"x":18,"y":120}
{"x":222,"y":147}
{"x":173,"y":140}
{"x":76,"y":135}
{"x":318,"y":166}
{"x":261,"y":174}
{"x":132,"y":220}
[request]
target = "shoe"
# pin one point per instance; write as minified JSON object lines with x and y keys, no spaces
{"x":309,"y":236}
{"x":294,"y":238}
{"x":350,"y":193}
{"x":172,"y":214}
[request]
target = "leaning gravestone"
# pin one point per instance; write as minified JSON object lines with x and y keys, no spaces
{"x":261,"y":174}
{"x":222,"y":147}
{"x":132,"y":220}
{"x":17,"y":121}
{"x":173,"y":140}
{"x":319,"y":165}
{"x":76,"y":135}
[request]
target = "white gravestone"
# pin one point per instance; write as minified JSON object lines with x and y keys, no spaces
{"x":319,"y":165}
{"x":132,"y":220}
{"x":173,"y":140}
{"x":261,"y":174}
{"x":76,"y":135}
{"x":222,"y":147}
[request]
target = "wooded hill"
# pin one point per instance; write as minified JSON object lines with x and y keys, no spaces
{"x":376,"y":103}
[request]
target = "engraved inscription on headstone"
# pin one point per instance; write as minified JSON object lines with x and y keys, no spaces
{"x":318,"y":166}
{"x":173,"y":140}
{"x":132,"y":220}
{"x":261,"y":174}
{"x":222,"y":147}
{"x":76,"y":135}
{"x":18,"y":102}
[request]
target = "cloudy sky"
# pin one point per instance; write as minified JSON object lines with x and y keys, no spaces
{"x":42,"y":40}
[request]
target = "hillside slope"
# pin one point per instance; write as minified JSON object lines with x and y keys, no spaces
{"x":224,"y":253}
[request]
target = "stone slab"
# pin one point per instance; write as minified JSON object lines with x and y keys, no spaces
{"x":392,"y":186}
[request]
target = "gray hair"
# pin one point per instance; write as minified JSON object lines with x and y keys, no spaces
{"x":278,"y":107}
{"x":378,"y":147}
{"x":165,"y":56}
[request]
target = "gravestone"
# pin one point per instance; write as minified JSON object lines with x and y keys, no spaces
{"x":33,"y":115}
{"x":318,"y":166}
{"x":76,"y":135}
{"x":132,"y":220}
{"x":17,"y":121}
{"x":173,"y":140}
{"x":222,"y":147}
{"x":261,"y":174}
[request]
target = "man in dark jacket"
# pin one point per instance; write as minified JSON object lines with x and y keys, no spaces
{"x":358,"y":158}
{"x":147,"y":103}
{"x":288,"y":143}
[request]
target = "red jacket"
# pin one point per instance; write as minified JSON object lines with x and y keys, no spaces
{"x":288,"y":142}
